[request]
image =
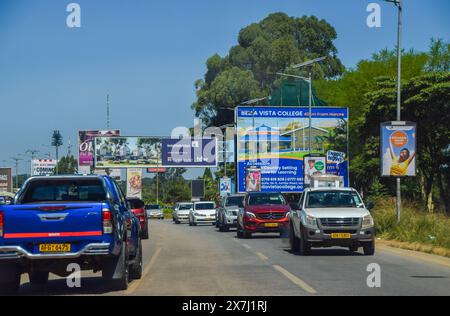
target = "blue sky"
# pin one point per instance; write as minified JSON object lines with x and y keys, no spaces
{"x":147,"y":54}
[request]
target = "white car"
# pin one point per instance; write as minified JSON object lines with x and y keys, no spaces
{"x":181,"y":212}
{"x":203,"y":212}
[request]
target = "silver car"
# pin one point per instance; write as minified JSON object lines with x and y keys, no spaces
{"x":203,"y":213}
{"x":181,"y":212}
{"x":154,"y":211}
{"x":227,"y":213}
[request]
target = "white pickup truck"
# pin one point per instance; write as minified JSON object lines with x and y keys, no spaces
{"x":327,"y":217}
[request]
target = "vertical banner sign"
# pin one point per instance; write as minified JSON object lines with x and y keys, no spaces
{"x":86,"y":146}
{"x":253,"y":179}
{"x":43,"y":167}
{"x":6,"y":184}
{"x":276,"y":140}
{"x":398,"y":149}
{"x":225,"y":186}
{"x":313,"y":166}
{"x":134,"y":183}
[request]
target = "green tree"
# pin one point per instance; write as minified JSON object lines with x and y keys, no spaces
{"x":264,"y":48}
{"x":67,"y":165}
{"x":57,"y":141}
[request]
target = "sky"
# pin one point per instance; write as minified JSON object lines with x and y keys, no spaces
{"x":147,"y":55}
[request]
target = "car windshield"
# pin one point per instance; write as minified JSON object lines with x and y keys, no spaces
{"x":136,"y":203}
{"x":321,"y":199}
{"x":185,"y":206}
{"x":266,"y":198}
{"x":64,"y":190}
{"x":152,"y":207}
{"x":235,"y":201}
{"x":204,"y":206}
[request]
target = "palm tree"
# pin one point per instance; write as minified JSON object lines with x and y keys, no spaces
{"x":57,"y":141}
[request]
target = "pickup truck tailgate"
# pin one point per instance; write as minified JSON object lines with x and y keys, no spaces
{"x":30,"y":225}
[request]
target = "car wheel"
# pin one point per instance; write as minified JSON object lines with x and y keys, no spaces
{"x":239,"y":232}
{"x":136,"y":267}
{"x":9,"y":278}
{"x":145,"y":234}
{"x":177,"y":222}
{"x":369,"y":248}
{"x":115,"y":270}
{"x":304,"y":246}
{"x":294,"y":241}
{"x":38,"y":277}
{"x":246,"y":234}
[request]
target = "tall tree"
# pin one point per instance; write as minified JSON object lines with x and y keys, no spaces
{"x":67,"y":165}
{"x":57,"y":141}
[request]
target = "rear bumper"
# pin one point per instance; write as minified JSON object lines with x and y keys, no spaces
{"x":17,"y":252}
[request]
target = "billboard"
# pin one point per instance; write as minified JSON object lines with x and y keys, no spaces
{"x":313,"y":166}
{"x":398,"y":149}
{"x":134,"y":183}
{"x":189,"y":152}
{"x":85,"y":146}
{"x":127,"y":152}
{"x":253,"y":179}
{"x":43,"y":167}
{"x":197,"y":188}
{"x":6,"y":181}
{"x":225,"y":186}
{"x":276,"y":140}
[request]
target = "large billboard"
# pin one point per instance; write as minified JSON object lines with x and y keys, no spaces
{"x":276,"y":140}
{"x":6,"y":182}
{"x":85,"y":146}
{"x":127,"y":152}
{"x":134,"y":183}
{"x":195,"y":152}
{"x":398,"y":149}
{"x":43,"y":167}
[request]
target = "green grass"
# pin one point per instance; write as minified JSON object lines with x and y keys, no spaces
{"x":416,"y":225}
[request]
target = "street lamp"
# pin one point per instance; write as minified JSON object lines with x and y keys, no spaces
{"x":16,"y":160}
{"x":398,"y":4}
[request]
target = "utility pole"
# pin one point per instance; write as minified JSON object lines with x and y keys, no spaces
{"x":16,"y":161}
{"x":107,"y":111}
{"x":398,"y":4}
{"x":32,"y":153}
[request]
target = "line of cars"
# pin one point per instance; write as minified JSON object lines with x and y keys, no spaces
{"x":321,"y":217}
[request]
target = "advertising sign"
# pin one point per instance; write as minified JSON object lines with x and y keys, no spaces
{"x":276,"y":139}
{"x":127,"y":152}
{"x":225,"y":186}
{"x":398,"y":149}
{"x":313,"y":166}
{"x":85,"y":145}
{"x":197,"y":188}
{"x":156,"y":170}
{"x":134,"y":183}
{"x":43,"y":167}
{"x":335,"y":156}
{"x":6,"y":182}
{"x":189,"y":152}
{"x":253,"y":179}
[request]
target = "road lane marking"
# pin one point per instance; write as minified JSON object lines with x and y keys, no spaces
{"x":133,"y":287}
{"x":246,"y":246}
{"x":262,"y":256}
{"x":294,"y":279}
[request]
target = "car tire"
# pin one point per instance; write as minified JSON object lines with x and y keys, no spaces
{"x":294,"y":241}
{"x":115,"y":270}
{"x":369,"y":248}
{"x":145,"y":234}
{"x":9,"y":278}
{"x":304,"y":248}
{"x":136,"y":267}
{"x":177,"y":222}
{"x":239,"y":232}
{"x":38,"y":277}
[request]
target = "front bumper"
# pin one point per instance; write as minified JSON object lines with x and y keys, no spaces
{"x":255,"y":225}
{"x":17,"y":252}
{"x":182,"y":217}
{"x":155,"y":215}
{"x":321,"y":237}
{"x":230,"y":220}
{"x":204,"y":219}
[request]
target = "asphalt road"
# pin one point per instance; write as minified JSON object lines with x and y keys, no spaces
{"x":199,"y":261}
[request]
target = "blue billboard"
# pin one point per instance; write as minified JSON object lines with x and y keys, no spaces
{"x":201,"y":152}
{"x":276,"y":140}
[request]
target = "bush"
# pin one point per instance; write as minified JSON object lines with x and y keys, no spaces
{"x":416,"y":225}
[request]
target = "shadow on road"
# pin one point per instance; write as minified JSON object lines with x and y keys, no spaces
{"x":328,"y":253}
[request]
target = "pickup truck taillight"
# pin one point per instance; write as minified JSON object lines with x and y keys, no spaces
{"x":2,"y":224}
{"x":107,"y":221}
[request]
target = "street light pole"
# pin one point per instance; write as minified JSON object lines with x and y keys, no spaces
{"x":398,"y":4}
{"x":310,"y":112}
{"x":16,"y":160}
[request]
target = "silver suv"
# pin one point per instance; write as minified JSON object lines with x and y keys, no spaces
{"x":327,"y":217}
{"x":227,"y":213}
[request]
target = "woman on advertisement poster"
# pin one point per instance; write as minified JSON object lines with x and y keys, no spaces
{"x":400,"y":164}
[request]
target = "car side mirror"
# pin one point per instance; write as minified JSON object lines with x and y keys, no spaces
{"x":370,"y":205}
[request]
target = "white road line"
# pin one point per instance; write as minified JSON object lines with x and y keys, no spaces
{"x":294,"y":279}
{"x":133,"y":287}
{"x":246,"y":246}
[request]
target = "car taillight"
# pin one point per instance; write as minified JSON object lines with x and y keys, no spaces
{"x":2,"y":224}
{"x":107,"y":221}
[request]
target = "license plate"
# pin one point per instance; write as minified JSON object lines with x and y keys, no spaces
{"x":271,"y":225}
{"x":54,"y":248}
{"x":341,"y":235}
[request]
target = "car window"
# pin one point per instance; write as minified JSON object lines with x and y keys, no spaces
{"x":235,"y":201}
{"x":265,"y":199}
{"x":185,"y":206}
{"x":323,"y":199}
{"x":153,"y":207}
{"x":204,"y":206}
{"x":136,"y":203}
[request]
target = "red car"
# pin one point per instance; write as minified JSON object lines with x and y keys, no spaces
{"x":263,"y":213}
{"x":138,"y":209}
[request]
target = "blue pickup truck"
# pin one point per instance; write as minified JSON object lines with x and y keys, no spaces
{"x":60,"y":220}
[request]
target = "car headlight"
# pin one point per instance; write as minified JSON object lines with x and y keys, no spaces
{"x":367,"y":221}
{"x":196,"y":214}
{"x":311,"y":221}
{"x":250,"y":214}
